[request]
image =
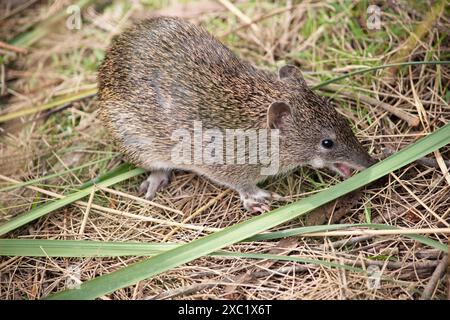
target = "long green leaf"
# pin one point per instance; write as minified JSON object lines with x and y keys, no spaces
{"x":123,"y":168}
{"x":238,"y":232}
{"x":86,"y":248}
{"x":81,"y":248}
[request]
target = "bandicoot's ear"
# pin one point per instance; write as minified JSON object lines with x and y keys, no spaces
{"x":290,"y":71}
{"x":278,"y":114}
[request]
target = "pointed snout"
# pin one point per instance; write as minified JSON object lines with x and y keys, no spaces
{"x":363,"y":160}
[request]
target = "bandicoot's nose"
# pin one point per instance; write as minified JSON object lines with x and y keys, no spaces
{"x":370,"y":161}
{"x":364,"y":160}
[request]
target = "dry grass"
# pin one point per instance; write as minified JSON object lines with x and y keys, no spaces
{"x":325,"y":38}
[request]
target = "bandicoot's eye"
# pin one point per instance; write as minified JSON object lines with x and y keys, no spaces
{"x":327,"y":143}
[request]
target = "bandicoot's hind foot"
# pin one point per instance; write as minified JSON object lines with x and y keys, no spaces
{"x":156,"y":181}
{"x":256,"y":200}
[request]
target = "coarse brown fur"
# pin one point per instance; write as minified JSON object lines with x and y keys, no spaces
{"x":164,"y":73}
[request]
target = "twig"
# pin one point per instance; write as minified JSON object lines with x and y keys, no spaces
{"x":392,"y":265}
{"x":378,"y":232}
{"x":442,"y":165}
{"x":86,"y":213}
{"x":235,"y":10}
{"x":345,"y":242}
{"x":351,"y":241}
{"x":311,"y":39}
{"x":238,"y":13}
{"x":428,"y":162}
{"x":183,"y":291}
{"x":253,"y":21}
{"x":412,"y":120}
{"x":435,"y":277}
{"x":9,"y":47}
{"x":282,"y":270}
{"x":389,"y":264}
{"x":401,"y":265}
{"x":129,"y":196}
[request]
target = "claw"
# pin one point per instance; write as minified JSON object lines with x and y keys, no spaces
{"x":155,"y":182}
{"x":277,"y":197}
{"x":143,"y":187}
{"x":256,"y":205}
{"x":259,"y":209}
{"x":257,"y":200}
{"x":150,"y":195}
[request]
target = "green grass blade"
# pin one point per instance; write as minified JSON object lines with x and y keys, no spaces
{"x":54,"y":103}
{"x":86,"y":248}
{"x":123,"y":168}
{"x":208,"y":244}
{"x":78,"y":248}
{"x":40,"y":211}
{"x":83,"y":248}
